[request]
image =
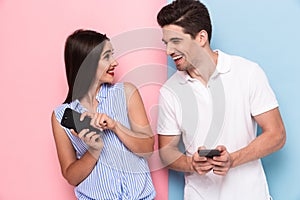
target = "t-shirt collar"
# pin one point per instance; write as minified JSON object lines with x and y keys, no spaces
{"x":223,"y":66}
{"x":224,"y":62}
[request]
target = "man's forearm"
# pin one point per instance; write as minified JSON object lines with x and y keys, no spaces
{"x":176,"y":160}
{"x":262,"y":146}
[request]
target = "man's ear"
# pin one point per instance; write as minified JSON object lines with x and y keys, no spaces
{"x":202,"y":37}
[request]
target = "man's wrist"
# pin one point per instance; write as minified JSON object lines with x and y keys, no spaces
{"x":233,"y":159}
{"x":190,"y":163}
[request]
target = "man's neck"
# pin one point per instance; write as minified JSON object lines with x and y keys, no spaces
{"x":204,"y":71}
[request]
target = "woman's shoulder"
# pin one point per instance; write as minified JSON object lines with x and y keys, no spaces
{"x":125,"y":86}
{"x":129,"y":88}
{"x":116,"y":85}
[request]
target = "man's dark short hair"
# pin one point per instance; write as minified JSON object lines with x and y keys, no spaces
{"x":191,"y":15}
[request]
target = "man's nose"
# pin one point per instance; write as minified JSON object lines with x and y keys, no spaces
{"x":170,"y":49}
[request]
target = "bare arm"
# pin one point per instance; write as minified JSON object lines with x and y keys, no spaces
{"x":171,"y":156}
{"x":272,"y":139}
{"x":73,"y":170}
{"x":139,"y":139}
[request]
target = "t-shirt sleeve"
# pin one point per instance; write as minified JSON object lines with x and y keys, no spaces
{"x":262,"y":97}
{"x":168,"y":120}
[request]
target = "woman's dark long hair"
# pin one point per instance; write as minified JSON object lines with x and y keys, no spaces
{"x":82,"y":53}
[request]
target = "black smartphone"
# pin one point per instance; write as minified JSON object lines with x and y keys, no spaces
{"x":209,"y":153}
{"x":71,"y":120}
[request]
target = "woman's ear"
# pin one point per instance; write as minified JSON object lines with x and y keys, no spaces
{"x":202,"y":38}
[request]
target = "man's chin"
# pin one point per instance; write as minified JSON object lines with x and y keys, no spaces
{"x":182,"y":67}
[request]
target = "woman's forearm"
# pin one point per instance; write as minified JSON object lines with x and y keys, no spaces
{"x":139,"y":143}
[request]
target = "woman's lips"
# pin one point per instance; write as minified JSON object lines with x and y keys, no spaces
{"x":111,"y":72}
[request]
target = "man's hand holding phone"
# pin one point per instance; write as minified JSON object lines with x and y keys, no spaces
{"x":222,"y":163}
{"x":201,"y":164}
{"x":218,"y":160}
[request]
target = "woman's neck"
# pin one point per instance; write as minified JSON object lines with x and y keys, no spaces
{"x":89,"y":100}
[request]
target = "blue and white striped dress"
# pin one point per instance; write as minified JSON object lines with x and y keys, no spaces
{"x":118,"y":174}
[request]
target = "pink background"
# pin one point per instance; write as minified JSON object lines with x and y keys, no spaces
{"x":32,"y":83}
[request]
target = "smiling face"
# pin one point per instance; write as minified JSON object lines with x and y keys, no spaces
{"x":106,"y":64}
{"x":179,"y":46}
{"x":193,"y":55}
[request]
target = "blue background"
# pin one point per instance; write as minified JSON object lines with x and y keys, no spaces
{"x":267,"y":32}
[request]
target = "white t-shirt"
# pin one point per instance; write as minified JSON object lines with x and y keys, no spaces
{"x":186,"y":107}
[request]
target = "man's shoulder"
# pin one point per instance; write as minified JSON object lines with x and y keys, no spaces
{"x":173,"y":83}
{"x":240,"y":64}
{"x":170,"y":84}
{"x":176,"y":78}
{"x":177,"y":86}
{"x":237,"y":58}
{"x":243,"y":60}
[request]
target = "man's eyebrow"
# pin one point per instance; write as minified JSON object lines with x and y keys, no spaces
{"x":172,"y":40}
{"x":175,"y":38}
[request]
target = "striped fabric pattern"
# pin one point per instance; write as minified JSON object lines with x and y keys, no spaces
{"x":118,"y":174}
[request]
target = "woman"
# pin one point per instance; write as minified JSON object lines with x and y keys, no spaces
{"x":111,"y":164}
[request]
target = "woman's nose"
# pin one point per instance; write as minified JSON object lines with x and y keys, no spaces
{"x":114,"y":63}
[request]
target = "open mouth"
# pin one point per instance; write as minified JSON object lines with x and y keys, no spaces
{"x":110,"y":71}
{"x":178,"y":59}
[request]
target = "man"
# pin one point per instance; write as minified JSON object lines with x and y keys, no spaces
{"x":214,"y":100}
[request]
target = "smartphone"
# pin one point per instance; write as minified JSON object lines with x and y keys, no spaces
{"x":71,"y":120}
{"x":209,"y":153}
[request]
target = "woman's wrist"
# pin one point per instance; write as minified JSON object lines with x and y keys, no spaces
{"x":115,"y":127}
{"x":95,"y":153}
